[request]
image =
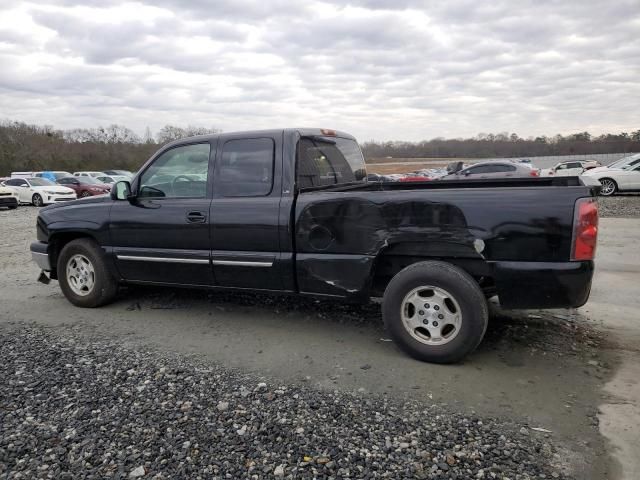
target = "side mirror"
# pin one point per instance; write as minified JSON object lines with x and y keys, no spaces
{"x":121,"y":191}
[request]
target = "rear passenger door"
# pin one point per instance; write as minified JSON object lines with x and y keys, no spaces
{"x":245,"y":247}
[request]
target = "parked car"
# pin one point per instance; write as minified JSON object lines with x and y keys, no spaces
{"x":39,"y":191}
{"x":85,"y":186}
{"x":565,"y":169}
{"x":123,"y":173}
{"x":493,"y":169}
{"x":624,"y":179}
{"x":88,"y":174}
{"x":53,"y":175}
{"x":111,"y":179}
{"x":8,"y":198}
{"x":434,"y":251}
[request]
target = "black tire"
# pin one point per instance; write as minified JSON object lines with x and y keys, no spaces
{"x":105,"y":286}
{"x":13,"y":207}
{"x":606,"y":192}
{"x":466,"y":292}
{"x":37,"y":200}
{"x":85,"y":194}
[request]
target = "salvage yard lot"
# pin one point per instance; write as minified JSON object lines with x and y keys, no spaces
{"x":176,"y":383}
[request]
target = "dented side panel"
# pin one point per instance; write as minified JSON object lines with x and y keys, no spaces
{"x":498,"y":224}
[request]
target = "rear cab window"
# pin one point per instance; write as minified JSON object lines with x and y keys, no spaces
{"x":323,"y":161}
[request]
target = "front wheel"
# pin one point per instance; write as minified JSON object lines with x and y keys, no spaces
{"x":37,"y":200}
{"x":608,"y":188}
{"x":84,"y":276}
{"x":85,"y":194}
{"x":435,"y":312}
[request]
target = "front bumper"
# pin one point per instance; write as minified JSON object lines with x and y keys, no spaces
{"x":56,"y":198}
{"x":543,"y":284}
{"x":40,"y":255}
{"x":8,"y":201}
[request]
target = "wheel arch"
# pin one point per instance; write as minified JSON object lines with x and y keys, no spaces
{"x":394,"y":258}
{"x":57,"y":241}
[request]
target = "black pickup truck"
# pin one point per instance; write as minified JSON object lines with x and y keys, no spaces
{"x":290,"y":211}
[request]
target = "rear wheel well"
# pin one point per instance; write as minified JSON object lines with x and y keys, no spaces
{"x":56,"y":243}
{"x":388,"y":265}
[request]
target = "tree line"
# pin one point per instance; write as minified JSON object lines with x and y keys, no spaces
{"x":25,"y":147}
{"x":506,"y":145}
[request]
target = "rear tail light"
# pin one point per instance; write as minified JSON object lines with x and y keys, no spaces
{"x":535,"y":173}
{"x":585,"y":229}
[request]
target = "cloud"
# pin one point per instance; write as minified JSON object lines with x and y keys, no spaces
{"x":383,"y":69}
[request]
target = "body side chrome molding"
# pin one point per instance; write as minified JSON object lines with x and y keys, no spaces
{"x":242,"y":263}
{"x":231,"y":263}
{"x":137,"y":258}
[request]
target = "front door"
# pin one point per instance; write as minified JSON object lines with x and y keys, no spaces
{"x":245,"y":215}
{"x":163,"y":235}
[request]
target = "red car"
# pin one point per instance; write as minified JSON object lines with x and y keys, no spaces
{"x":85,"y":186}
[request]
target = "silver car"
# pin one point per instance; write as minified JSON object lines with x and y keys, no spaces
{"x":493,"y":169}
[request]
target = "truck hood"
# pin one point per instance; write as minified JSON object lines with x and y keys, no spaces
{"x":88,"y":200}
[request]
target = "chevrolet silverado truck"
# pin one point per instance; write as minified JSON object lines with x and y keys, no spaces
{"x":290,"y":211}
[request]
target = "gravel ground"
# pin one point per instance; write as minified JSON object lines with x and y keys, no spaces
{"x":620,"y":206}
{"x":73,"y":406}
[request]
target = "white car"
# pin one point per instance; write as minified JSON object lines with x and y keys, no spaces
{"x":565,"y":169}
{"x":88,"y":174}
{"x":614,"y":180}
{"x":39,"y":191}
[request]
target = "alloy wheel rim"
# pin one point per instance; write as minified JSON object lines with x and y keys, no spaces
{"x":431,"y":315}
{"x":80,"y":275}
{"x":607,"y":187}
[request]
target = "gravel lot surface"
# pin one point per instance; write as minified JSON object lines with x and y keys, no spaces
{"x":620,"y":206}
{"x":77,"y":407}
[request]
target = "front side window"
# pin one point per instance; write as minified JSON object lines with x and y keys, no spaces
{"x":181,"y":172}
{"x":329,"y":161}
{"x":246,"y":168}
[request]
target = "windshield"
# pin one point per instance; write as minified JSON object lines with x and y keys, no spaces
{"x":620,"y":163}
{"x":329,"y":161}
{"x":631,"y":165}
{"x":40,"y":182}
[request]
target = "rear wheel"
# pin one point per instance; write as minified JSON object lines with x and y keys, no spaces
{"x":609,"y":187}
{"x":83,"y":274}
{"x":37,"y":200}
{"x":435,"y":312}
{"x":85,"y":194}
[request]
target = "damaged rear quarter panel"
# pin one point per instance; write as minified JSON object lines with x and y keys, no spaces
{"x":339,"y":234}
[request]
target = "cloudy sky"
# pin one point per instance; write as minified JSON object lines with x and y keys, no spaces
{"x":380,"y":69}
